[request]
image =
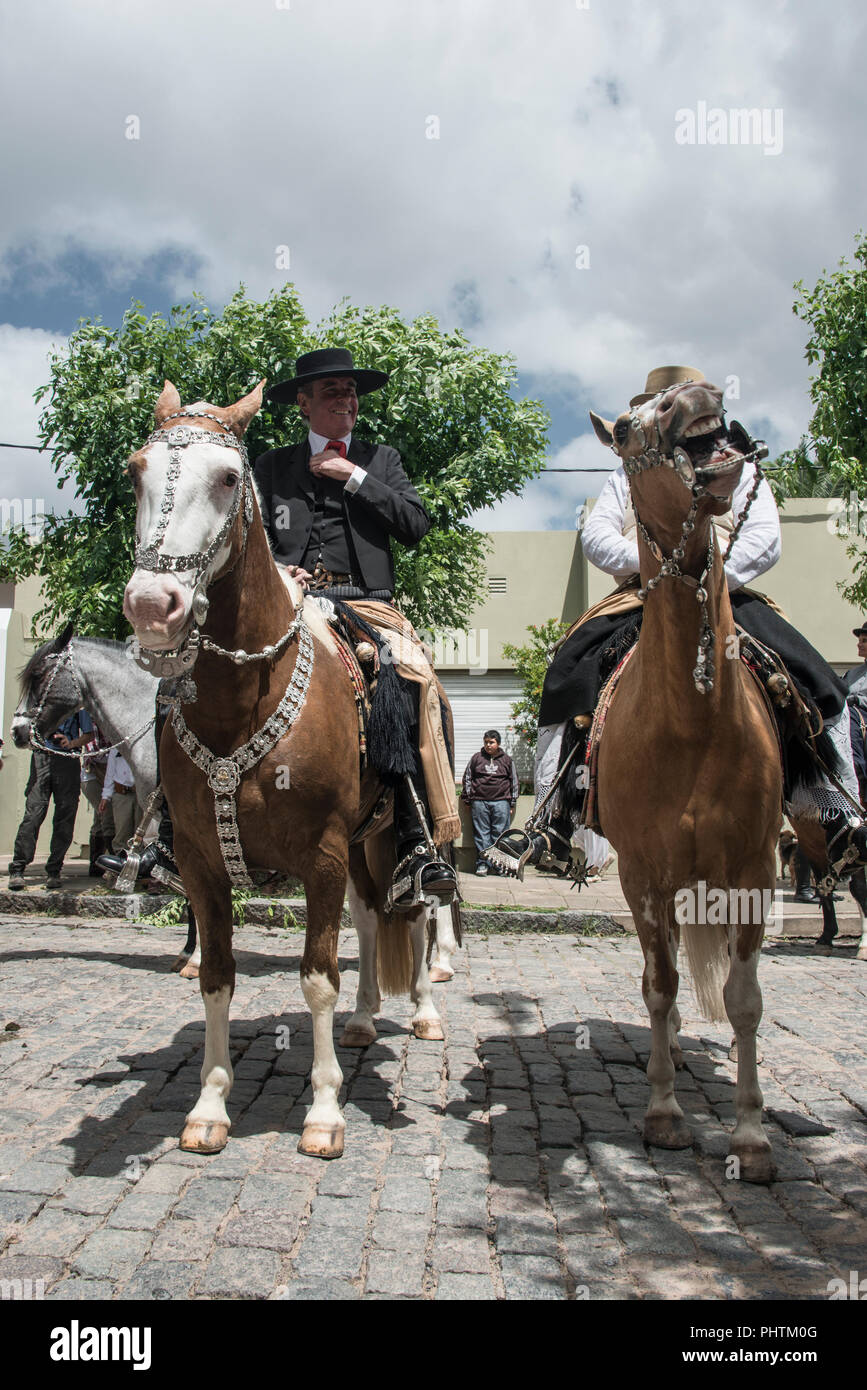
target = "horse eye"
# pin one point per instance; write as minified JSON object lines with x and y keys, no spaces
{"x":621,"y":431}
{"x":230,"y":479}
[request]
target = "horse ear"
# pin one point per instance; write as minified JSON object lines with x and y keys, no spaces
{"x":62,"y":640}
{"x":604,"y":429}
{"x":242,"y":412}
{"x":168,"y":404}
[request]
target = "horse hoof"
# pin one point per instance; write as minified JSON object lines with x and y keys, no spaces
{"x":189,"y":972}
{"x":357,"y":1037}
{"x":756,"y":1165}
{"x":438,"y":976}
{"x":321,"y":1141}
{"x":178,"y":964}
{"x":861,"y":953}
{"x":667,"y":1132}
{"x":204,"y":1136}
{"x":429,"y":1029}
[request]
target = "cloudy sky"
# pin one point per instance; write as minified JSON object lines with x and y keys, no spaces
{"x":568,"y":210}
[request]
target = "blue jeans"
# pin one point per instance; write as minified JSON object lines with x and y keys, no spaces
{"x":490,"y":819}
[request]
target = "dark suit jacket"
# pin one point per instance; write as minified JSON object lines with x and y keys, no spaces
{"x":385,"y":505}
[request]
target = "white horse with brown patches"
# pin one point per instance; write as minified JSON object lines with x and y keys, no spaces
{"x":260,"y":762}
{"x":690,"y":783}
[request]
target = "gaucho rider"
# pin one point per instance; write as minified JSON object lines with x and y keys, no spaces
{"x":595,"y":645}
{"x":330,"y":505}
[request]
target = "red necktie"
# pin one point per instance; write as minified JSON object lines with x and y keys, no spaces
{"x":338,"y":446}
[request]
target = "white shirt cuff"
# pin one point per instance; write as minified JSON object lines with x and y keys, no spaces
{"x":355,"y":479}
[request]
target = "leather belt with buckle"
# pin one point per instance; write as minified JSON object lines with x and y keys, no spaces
{"x":122,"y":789}
{"x":327,"y":579}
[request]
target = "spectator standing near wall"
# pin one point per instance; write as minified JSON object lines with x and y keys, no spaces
{"x":51,"y":775}
{"x":118,"y":791}
{"x":491,"y":789}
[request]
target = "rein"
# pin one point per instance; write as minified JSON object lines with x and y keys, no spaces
{"x":704,"y":670}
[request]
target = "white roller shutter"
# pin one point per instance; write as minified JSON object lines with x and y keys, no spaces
{"x":481,"y":702}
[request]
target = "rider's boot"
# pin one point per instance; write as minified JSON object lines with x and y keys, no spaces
{"x":804,"y":890}
{"x":157,"y":861}
{"x":515,"y":849}
{"x":421,"y":872}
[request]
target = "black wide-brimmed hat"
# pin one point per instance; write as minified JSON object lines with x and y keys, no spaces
{"x":312,"y":366}
{"x":860,"y":631}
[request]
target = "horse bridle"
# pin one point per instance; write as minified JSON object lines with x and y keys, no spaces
{"x":36,"y":740}
{"x":223,"y":774}
{"x":669,"y":565}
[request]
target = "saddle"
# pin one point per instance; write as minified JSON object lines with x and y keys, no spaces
{"x":793,"y":718}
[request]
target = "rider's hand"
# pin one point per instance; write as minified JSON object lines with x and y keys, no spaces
{"x":331,"y":465}
{"x":63,"y":741}
{"x":299,"y":574}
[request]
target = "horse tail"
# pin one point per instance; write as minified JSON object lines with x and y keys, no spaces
{"x":707,"y":954}
{"x":394,"y":955}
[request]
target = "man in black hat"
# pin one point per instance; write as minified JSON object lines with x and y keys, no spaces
{"x":856,"y":678}
{"x":331,"y":505}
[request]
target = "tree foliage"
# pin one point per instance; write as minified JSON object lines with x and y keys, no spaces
{"x":465,"y":441}
{"x":831,"y":459}
{"x":531,"y":662}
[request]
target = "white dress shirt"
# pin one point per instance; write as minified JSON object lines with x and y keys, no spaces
{"x":117,"y":771}
{"x":318,"y":445}
{"x":756,"y":549}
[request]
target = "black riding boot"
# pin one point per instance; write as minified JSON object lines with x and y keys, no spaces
{"x":515,"y":849}
{"x":420,"y":871}
{"x":804,"y":890}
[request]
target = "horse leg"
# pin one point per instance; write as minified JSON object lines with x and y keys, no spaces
{"x":446,"y":945}
{"x":664,"y":1124}
{"x":858,"y":889}
{"x":207,"y":1125}
{"x":189,"y":958}
{"x":426,"y":1022}
{"x":324,"y":1125}
{"x":743,"y":1001}
{"x":360,"y":1029}
{"x":825,"y":942}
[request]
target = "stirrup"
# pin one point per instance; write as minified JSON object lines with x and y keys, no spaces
{"x":162,"y":874}
{"x":850,"y":860}
{"x":407,"y":878}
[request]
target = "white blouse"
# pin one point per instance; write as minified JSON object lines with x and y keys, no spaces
{"x":757,"y":548}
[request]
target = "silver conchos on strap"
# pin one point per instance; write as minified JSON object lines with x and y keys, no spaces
{"x":224,"y":774}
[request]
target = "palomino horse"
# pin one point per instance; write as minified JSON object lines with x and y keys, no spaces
{"x":689,"y":776}
{"x":260,"y":760}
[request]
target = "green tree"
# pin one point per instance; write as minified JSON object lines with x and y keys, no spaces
{"x":531,"y":662}
{"x":831,"y":459}
{"x":465,"y":441}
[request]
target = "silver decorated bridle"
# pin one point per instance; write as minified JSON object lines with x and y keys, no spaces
{"x":61,"y":659}
{"x":669,"y":565}
{"x":223,"y":774}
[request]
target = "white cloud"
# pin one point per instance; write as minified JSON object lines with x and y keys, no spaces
{"x":306,"y":127}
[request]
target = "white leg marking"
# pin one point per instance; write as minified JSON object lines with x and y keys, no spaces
{"x":326,"y":1077}
{"x":426,"y":1022}
{"x":368,"y":1001}
{"x":446,"y":944}
{"x":216,"y":1069}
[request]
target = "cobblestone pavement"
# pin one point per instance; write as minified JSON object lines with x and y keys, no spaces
{"x":505,"y":1163}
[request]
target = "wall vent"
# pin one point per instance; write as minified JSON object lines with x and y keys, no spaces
{"x":497,"y":584}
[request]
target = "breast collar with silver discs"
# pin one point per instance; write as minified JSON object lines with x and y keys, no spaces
{"x":224,"y":774}
{"x":669,"y":565}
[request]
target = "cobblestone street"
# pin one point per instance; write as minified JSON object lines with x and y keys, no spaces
{"x":505,"y":1163}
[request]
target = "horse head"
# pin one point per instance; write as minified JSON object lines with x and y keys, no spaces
{"x":49,"y":691}
{"x":675,"y":449}
{"x":194,"y":500}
